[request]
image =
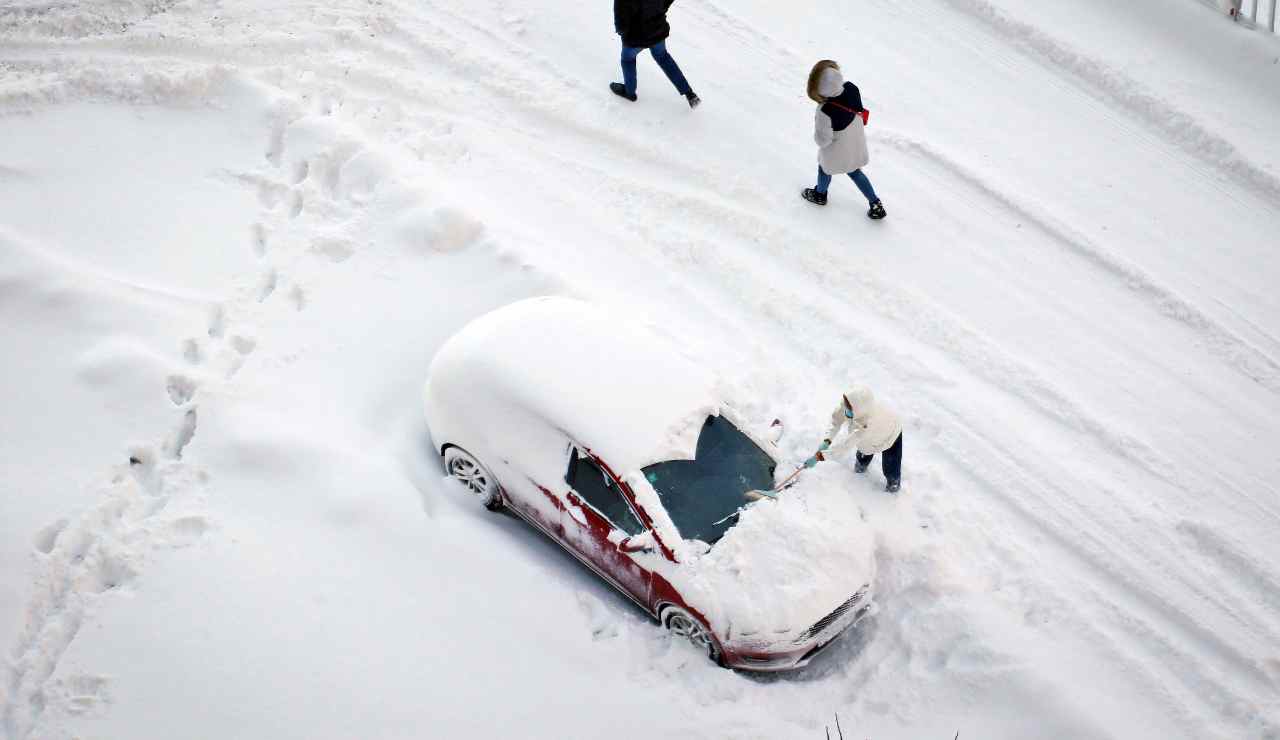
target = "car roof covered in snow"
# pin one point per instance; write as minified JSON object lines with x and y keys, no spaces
{"x":606,"y":382}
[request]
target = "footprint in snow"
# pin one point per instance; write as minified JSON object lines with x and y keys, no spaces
{"x":108,"y":570}
{"x":298,"y":297}
{"x":185,"y":531}
{"x":47,"y":539}
{"x":295,"y":204}
{"x":244,"y":345}
{"x":275,"y":142}
{"x":217,"y":322}
{"x":259,"y":240}
{"x":183,"y":435}
{"x":440,"y":230}
{"x":191,"y":352}
{"x":266,"y":287}
{"x":80,"y":695}
{"x":335,"y":250}
{"x":181,"y":389}
{"x":270,"y":194}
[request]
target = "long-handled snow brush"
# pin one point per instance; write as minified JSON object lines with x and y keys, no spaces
{"x":756,"y":495}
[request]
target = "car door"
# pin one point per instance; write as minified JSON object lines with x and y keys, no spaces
{"x":540,"y":505}
{"x":596,"y":518}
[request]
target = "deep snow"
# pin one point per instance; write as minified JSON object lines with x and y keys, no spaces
{"x":233,"y":236}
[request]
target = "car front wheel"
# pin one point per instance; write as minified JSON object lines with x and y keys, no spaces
{"x":684,"y":625}
{"x":477,"y":479}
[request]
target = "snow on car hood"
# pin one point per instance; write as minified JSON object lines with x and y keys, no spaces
{"x":788,"y":562}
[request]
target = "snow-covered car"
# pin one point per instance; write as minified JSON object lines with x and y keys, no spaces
{"x":605,"y":437}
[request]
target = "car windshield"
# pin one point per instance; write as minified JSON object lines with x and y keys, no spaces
{"x":702,"y":495}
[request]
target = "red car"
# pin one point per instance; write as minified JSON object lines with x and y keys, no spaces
{"x":614,"y":444}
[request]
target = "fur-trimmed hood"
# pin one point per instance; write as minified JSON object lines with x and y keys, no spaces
{"x":830,"y":82}
{"x":815,"y":78}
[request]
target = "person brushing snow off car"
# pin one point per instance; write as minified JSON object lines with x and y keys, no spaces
{"x":642,"y":24}
{"x":838,"y":132}
{"x":873,"y":428}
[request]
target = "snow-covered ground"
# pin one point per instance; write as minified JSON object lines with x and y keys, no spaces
{"x":233,"y":234}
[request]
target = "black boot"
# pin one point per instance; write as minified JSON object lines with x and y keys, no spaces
{"x":876,"y":211}
{"x":620,"y":90}
{"x":814,"y":197}
{"x":693,"y":99}
{"x":892,"y":486}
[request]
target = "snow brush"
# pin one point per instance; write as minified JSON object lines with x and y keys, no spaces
{"x":772,"y":493}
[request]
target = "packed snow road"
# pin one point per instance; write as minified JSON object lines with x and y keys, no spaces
{"x":234,"y":236}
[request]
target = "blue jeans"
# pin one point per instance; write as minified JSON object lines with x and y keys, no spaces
{"x":664,"y":60}
{"x":890,"y":461}
{"x":859,"y":179}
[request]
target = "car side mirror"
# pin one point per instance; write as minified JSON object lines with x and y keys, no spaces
{"x":642,"y":542}
{"x":775,"y":431}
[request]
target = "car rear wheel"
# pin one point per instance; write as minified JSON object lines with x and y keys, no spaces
{"x":474,"y":476}
{"x":684,"y":625}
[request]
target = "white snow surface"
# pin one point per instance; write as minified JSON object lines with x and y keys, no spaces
{"x":234,"y":234}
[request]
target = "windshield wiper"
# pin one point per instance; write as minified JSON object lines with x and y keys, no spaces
{"x":731,"y":515}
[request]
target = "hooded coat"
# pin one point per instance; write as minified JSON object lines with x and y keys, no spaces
{"x":873,"y":428}
{"x":641,"y":23}
{"x":839,"y":133}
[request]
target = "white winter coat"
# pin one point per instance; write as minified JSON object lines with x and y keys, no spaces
{"x":844,"y":151}
{"x":873,"y":428}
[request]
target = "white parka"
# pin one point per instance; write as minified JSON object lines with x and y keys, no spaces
{"x":844,"y":151}
{"x":873,"y":428}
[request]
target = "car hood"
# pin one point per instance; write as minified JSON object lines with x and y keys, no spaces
{"x":789,"y":561}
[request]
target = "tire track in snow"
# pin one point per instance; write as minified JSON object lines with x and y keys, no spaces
{"x":1115,"y":88}
{"x":1152,"y":608}
{"x":934,"y":321}
{"x":1036,"y":391}
{"x":1126,"y":592}
{"x":1235,"y":351}
{"x":1232,"y":349}
{"x":974,"y":353}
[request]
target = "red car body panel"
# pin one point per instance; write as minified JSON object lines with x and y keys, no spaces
{"x":586,"y":534}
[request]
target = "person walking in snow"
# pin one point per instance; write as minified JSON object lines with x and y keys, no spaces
{"x":838,"y":132}
{"x":872,"y":428}
{"x":642,"y":24}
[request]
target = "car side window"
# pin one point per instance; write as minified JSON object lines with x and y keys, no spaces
{"x":598,"y":489}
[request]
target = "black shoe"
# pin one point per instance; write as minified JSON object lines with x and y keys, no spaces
{"x":814,"y":197}
{"x":860,"y":467}
{"x":877,"y":211}
{"x":892,"y":486}
{"x":620,"y":90}
{"x":693,"y":99}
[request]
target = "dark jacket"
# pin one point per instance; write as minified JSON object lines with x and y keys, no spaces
{"x":641,"y":23}
{"x":850,"y":98}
